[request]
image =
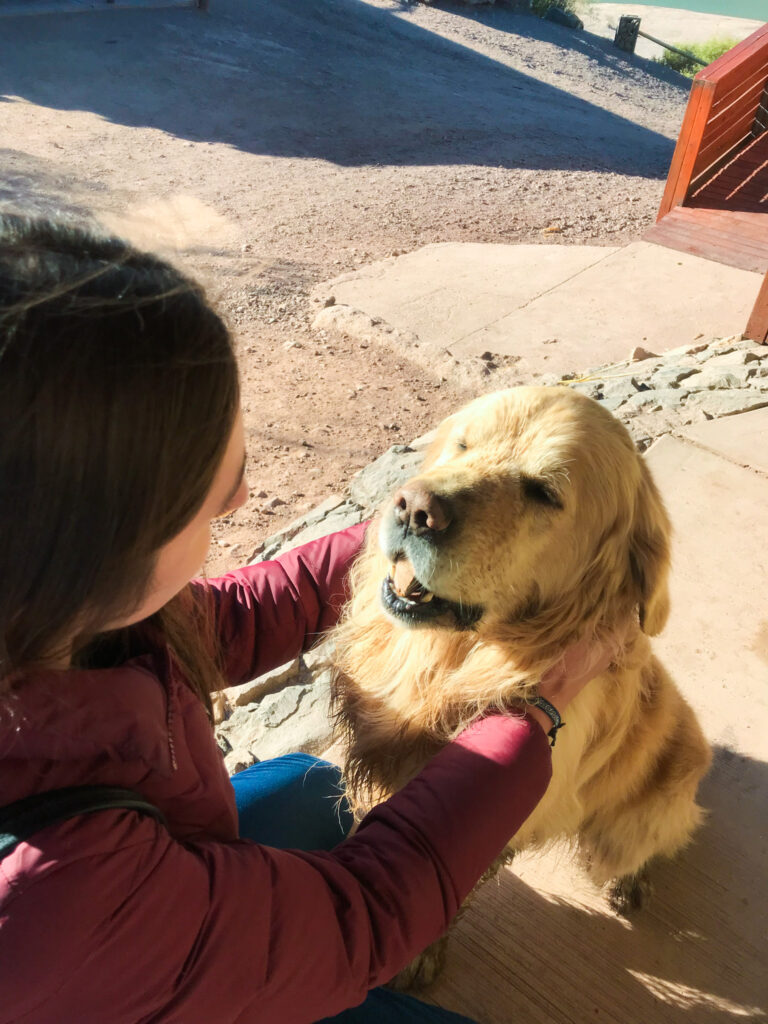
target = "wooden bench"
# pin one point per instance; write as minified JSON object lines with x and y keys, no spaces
{"x":715,"y":203}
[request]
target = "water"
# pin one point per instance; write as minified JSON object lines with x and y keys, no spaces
{"x":735,"y":8}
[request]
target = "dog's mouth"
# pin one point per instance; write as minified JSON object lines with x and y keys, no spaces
{"x":409,"y":601}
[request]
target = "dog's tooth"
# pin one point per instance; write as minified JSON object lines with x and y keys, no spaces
{"x":427,"y":597}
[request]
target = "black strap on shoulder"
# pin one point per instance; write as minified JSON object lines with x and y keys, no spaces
{"x":22,"y":819}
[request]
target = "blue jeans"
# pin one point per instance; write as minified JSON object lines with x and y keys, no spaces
{"x":297,"y":802}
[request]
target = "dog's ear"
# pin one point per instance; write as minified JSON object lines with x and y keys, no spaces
{"x":649,"y":554}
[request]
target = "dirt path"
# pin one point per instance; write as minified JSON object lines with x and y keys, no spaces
{"x":271,"y":145}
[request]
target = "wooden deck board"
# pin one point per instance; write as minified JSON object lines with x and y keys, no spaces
{"x":716,"y":235}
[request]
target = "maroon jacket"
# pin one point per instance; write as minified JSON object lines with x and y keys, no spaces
{"x":111,"y":918}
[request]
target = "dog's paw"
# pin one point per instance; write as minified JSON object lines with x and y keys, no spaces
{"x":422,"y":971}
{"x":628,"y":894}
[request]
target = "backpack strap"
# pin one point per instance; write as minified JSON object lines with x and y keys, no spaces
{"x":22,"y":819}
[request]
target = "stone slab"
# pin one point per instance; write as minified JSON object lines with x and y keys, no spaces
{"x":742,"y":439}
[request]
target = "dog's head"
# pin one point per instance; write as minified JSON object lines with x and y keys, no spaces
{"x":532,"y":506}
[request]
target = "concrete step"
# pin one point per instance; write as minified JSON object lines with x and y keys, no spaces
{"x":557,"y":308}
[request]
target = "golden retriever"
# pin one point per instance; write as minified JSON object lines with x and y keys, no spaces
{"x":533,"y":523}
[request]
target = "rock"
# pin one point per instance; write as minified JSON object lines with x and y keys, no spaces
{"x":723,"y":377}
{"x":274,"y":503}
{"x":670,"y":376}
{"x":238,"y":760}
{"x":561,"y":17}
{"x":640,"y":400}
{"x":319,"y":657}
{"x":372,"y":485}
{"x":348,"y":322}
{"x":247,"y":693}
{"x":613,"y":404}
{"x":297,"y":718}
{"x":726,"y":403}
{"x":732,"y":357}
{"x":292,"y":535}
{"x":344,"y":515}
{"x":639,"y":353}
{"x":621,"y":388}
{"x":590,"y":388}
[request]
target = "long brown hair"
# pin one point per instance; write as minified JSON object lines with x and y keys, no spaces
{"x":118,"y":394}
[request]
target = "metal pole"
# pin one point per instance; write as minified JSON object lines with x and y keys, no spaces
{"x":637,"y":32}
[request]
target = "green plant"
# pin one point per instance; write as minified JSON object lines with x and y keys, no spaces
{"x":707,"y":51}
{"x":540,"y":6}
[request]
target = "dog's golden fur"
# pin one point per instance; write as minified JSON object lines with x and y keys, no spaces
{"x":578,"y":553}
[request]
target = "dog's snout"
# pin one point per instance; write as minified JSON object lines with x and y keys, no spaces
{"x":421,"y":511}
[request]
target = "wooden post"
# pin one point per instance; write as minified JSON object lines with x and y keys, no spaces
{"x":627,"y":32}
{"x":757,"y":328}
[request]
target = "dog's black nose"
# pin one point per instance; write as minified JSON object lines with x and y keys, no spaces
{"x":421,"y":511}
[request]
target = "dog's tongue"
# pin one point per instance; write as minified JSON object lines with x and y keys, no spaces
{"x":402,"y":577}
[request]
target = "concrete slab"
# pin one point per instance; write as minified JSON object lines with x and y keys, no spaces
{"x":641,"y":295}
{"x":445,"y":292}
{"x":742,"y":439}
{"x":541,"y":945}
{"x":557,"y":308}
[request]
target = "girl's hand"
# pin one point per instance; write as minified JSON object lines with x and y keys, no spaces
{"x":578,"y":665}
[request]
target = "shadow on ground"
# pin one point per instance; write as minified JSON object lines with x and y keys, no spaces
{"x":338,"y":80}
{"x":694,"y":954}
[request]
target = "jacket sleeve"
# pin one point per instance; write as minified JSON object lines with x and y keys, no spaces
{"x":266,"y":614}
{"x":241,"y":933}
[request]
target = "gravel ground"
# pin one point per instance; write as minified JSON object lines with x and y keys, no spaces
{"x":271,"y":145}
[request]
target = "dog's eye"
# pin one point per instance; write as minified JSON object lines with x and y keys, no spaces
{"x":461,"y":445}
{"x":541,"y":492}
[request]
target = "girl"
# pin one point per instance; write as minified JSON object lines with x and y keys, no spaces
{"x":197,"y":898}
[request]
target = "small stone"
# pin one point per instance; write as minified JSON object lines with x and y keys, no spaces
{"x":638,"y":354}
{"x":670,"y":376}
{"x":261,"y":494}
{"x":487,"y":356}
{"x":274,"y":503}
{"x":330,"y":300}
{"x":727,"y":403}
{"x":238,"y":760}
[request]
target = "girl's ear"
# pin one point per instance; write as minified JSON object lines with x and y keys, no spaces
{"x":649,"y":554}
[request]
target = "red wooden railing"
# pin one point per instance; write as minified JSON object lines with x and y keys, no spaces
{"x":726,"y":108}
